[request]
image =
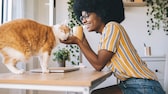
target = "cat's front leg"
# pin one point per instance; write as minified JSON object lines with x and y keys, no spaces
{"x":12,"y":67}
{"x":44,"y":62}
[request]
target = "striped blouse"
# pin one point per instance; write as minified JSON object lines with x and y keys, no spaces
{"x":125,"y":62}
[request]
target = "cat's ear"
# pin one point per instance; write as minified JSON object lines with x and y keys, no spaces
{"x":56,"y":27}
{"x":65,"y":22}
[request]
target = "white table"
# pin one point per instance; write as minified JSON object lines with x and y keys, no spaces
{"x":82,"y":80}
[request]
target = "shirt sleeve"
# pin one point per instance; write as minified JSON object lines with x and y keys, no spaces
{"x":110,"y":38}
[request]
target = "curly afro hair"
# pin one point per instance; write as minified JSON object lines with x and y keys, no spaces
{"x":107,"y":10}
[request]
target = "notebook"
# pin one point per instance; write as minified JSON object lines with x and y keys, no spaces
{"x":56,"y":69}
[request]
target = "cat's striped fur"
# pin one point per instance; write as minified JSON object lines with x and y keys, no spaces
{"x":23,"y":38}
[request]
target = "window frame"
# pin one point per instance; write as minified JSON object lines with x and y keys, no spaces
{"x":5,"y":11}
{"x":1,"y":8}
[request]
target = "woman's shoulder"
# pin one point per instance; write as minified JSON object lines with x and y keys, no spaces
{"x":113,"y":23}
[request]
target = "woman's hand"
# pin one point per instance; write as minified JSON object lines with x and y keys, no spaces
{"x":71,"y":40}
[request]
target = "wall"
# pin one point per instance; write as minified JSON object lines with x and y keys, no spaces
{"x":61,"y":11}
{"x":135,"y":25}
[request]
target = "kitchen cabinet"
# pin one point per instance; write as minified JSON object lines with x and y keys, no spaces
{"x":159,"y":65}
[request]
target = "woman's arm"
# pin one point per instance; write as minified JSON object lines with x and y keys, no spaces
{"x":98,"y":61}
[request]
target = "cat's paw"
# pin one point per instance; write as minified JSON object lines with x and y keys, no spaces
{"x":45,"y":71}
{"x":18,"y":71}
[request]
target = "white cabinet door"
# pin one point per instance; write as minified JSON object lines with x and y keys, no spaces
{"x":158,"y":65}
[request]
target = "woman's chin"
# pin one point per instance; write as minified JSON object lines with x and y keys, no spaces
{"x":90,"y":30}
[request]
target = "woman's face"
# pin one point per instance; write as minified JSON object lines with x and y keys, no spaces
{"x":92,"y":22}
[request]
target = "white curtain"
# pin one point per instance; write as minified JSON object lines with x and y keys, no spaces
{"x":17,"y":9}
{"x":6,"y":10}
{"x":12,"y":9}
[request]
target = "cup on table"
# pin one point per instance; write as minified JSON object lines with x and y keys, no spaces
{"x":78,"y":32}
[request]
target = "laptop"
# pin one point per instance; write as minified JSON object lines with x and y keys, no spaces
{"x":57,"y":69}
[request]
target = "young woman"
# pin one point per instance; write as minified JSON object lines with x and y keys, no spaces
{"x":115,"y":48}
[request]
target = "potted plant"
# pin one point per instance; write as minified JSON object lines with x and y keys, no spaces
{"x":61,"y":55}
{"x":158,"y":15}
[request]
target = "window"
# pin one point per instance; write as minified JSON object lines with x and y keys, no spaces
{"x":40,"y":10}
{"x":1,"y":12}
{"x":6,"y":10}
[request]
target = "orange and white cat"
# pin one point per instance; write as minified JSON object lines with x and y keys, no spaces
{"x":23,"y":38}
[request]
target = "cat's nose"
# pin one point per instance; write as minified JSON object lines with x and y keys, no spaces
{"x":65,"y":37}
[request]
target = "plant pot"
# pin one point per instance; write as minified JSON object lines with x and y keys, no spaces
{"x":61,"y":64}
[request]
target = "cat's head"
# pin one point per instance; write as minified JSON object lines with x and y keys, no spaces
{"x":62,"y":31}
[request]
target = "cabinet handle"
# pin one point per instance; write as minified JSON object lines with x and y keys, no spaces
{"x":156,"y":70}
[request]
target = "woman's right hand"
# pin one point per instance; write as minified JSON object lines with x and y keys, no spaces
{"x":74,"y":40}
{"x":71,"y":40}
